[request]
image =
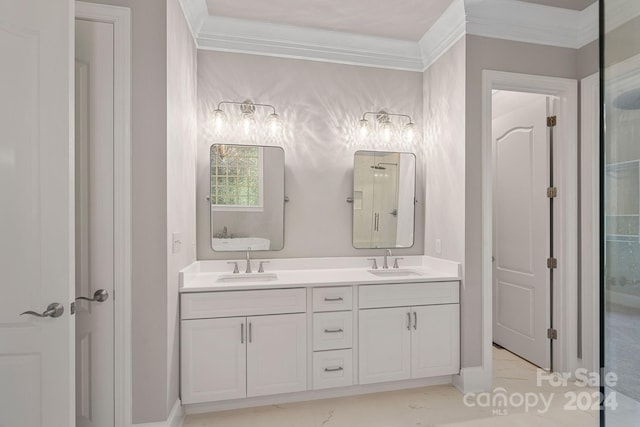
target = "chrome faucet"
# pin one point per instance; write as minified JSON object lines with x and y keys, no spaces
{"x":248,"y":270}
{"x":387,"y":253}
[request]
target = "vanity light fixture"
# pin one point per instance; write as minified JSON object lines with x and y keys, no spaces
{"x":247,"y":125}
{"x":386,"y":129}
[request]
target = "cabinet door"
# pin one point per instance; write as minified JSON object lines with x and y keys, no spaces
{"x":214,"y":360}
{"x":385,"y":345}
{"x":276,"y":354}
{"x":435,"y":341}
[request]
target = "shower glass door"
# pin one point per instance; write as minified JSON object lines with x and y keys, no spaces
{"x":620,"y":213}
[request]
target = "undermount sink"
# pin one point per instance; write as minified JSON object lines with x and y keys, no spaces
{"x":247,"y":277}
{"x":394,"y":272}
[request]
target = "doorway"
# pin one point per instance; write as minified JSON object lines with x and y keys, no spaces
{"x":565,"y":307}
{"x":94,"y":307}
{"x":522,"y":224}
{"x":103,"y":215}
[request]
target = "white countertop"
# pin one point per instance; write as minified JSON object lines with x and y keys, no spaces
{"x":204,"y":276}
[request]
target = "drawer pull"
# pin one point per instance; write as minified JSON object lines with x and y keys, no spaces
{"x":415,"y":320}
{"x":336,"y":369}
{"x":408,"y":321}
{"x":333,"y":331}
{"x":333,"y":299}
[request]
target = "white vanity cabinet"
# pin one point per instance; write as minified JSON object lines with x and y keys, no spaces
{"x":417,"y":340}
{"x":256,"y":346}
{"x":243,"y":356}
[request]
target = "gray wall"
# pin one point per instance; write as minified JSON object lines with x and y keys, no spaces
{"x":181,"y":176}
{"x":587,"y":60}
{"x":149,"y":169}
{"x":321,"y":104}
{"x":444,"y":124}
{"x":502,"y":55}
{"x":453,"y":136}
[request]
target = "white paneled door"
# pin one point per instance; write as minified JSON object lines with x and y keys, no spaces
{"x":94,"y":124}
{"x":521,"y":230}
{"x":36,"y":215}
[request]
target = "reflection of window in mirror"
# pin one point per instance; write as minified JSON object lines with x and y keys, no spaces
{"x":237,"y":178}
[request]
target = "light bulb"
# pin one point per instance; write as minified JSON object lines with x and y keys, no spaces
{"x":409,"y":132}
{"x":274,"y":124}
{"x":364,"y":129}
{"x":387,"y":131}
{"x":219,"y":121}
{"x":248,"y":124}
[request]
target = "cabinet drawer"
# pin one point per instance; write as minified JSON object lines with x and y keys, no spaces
{"x":332,"y":369}
{"x":242,"y":303}
{"x":332,"y":299}
{"x":332,"y":331}
{"x":408,"y":294}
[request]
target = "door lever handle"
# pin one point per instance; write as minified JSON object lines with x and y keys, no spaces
{"x":100,"y":295}
{"x":53,"y":310}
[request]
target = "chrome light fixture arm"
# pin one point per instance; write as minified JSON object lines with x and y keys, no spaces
{"x":246,"y":106}
{"x":382,"y":116}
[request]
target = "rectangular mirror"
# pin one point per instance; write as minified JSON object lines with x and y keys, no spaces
{"x":384,"y":185}
{"x":247,"y":198}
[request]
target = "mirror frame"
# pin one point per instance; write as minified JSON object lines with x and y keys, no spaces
{"x":284,"y":197}
{"x":352,"y":199}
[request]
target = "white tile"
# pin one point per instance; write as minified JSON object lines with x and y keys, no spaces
{"x":422,"y":407}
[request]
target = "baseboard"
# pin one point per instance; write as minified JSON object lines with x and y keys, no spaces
{"x":198,"y":408}
{"x":473,"y":380}
{"x":175,"y":419}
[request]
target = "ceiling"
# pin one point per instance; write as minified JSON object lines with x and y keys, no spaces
{"x":399,"y":19}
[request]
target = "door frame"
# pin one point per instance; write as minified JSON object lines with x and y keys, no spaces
{"x":589,"y":219}
{"x":120,"y":17}
{"x":565,"y":215}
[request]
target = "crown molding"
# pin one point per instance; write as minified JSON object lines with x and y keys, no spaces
{"x":196,"y":12}
{"x":442,"y":35}
{"x":589,"y":25}
{"x":526,"y":22}
{"x":503,"y":19}
{"x":263,"y":38}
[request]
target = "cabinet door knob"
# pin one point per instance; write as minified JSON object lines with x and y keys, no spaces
{"x":415,"y":320}
{"x":408,"y":320}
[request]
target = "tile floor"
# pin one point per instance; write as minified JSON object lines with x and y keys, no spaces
{"x":427,"y":407}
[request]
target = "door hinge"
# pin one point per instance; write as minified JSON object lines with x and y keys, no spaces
{"x":552,"y":192}
{"x":552,"y":334}
{"x":552,"y":262}
{"x":552,"y":121}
